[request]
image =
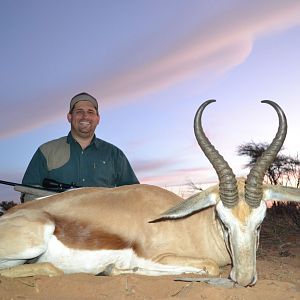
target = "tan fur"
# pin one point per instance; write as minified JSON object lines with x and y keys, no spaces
{"x":23,"y":226}
{"x":242,"y":211}
{"x":206,"y":264}
{"x":118,"y":217}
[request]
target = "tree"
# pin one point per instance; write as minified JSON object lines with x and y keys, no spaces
{"x":284,"y":170}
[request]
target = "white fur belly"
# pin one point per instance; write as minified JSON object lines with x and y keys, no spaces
{"x":87,"y":261}
{"x":96,"y":261}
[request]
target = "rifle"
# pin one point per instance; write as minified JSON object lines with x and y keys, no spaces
{"x":57,"y":186}
{"x":49,"y":187}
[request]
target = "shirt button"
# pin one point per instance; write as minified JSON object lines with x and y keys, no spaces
{"x":83,"y":179}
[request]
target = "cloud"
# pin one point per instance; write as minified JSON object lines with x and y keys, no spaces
{"x":180,"y":177}
{"x":143,"y":166}
{"x":214,"y":46}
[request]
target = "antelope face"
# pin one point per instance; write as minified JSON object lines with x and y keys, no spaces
{"x":241,"y":227}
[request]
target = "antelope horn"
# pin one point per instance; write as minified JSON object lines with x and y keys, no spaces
{"x":254,"y":182}
{"x":227,"y":181}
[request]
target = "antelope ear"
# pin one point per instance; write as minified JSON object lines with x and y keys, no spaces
{"x":189,"y":206}
{"x":280,"y":193}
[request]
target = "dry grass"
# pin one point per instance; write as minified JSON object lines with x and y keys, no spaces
{"x":282,"y":222}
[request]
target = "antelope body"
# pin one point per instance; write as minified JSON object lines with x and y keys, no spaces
{"x":100,"y":230}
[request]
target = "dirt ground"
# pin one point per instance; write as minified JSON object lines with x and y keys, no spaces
{"x":278,"y":267}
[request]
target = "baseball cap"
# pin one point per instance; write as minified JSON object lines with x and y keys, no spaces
{"x":83,"y":97}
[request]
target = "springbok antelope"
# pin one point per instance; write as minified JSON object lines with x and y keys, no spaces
{"x":100,"y":230}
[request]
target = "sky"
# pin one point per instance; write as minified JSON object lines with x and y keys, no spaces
{"x":150,"y":64}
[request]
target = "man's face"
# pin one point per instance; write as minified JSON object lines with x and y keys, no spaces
{"x":84,"y":119}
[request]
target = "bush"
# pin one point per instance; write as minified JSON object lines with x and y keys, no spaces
{"x":285,"y":215}
{"x":6,"y":205}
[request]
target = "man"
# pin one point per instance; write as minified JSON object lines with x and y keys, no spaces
{"x":80,"y":158}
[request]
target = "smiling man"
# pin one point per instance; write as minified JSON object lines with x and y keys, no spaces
{"x":80,"y":158}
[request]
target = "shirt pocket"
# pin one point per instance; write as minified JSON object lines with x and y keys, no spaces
{"x":104,"y":173}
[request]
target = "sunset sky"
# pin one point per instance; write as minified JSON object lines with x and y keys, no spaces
{"x":150,"y":64}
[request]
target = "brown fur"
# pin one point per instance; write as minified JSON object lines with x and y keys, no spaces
{"x":78,"y":235}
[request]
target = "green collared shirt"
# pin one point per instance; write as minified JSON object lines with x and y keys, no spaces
{"x":100,"y":164}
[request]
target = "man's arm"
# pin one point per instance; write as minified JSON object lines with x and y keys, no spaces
{"x":36,"y":171}
{"x":125,"y":173}
{"x":34,"y":175}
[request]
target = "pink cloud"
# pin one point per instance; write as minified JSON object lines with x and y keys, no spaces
{"x":181,"y":177}
{"x":214,"y":47}
{"x":217,"y":46}
{"x":143,"y":166}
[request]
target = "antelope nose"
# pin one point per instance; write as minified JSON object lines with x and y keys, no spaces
{"x":243,"y":279}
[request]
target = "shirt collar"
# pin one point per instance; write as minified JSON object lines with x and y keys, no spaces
{"x":95,"y":141}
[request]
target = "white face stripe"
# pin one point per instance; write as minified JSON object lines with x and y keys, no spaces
{"x":256,"y":215}
{"x":242,"y":240}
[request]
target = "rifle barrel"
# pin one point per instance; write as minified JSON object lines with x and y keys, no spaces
{"x":26,"y":185}
{"x":8,"y":183}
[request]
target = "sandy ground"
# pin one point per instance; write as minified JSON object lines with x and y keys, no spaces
{"x":278,"y":268}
